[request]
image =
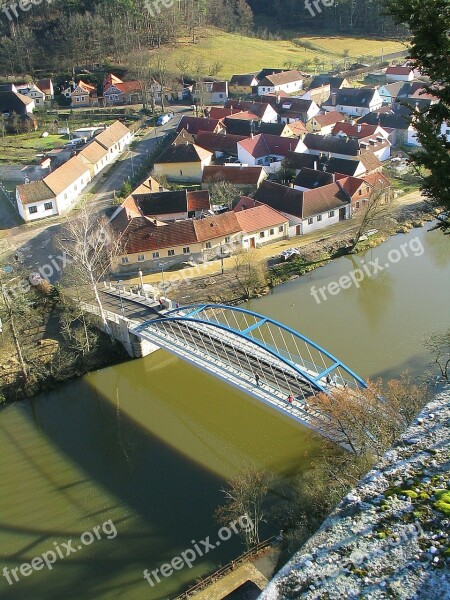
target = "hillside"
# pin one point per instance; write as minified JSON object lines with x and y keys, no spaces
{"x":242,"y":54}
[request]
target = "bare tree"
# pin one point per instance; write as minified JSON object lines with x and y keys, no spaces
{"x":90,"y":247}
{"x":161,"y":73}
{"x":244,"y":496}
{"x":249,"y":272}
{"x":374,"y":214}
{"x":438,"y":344}
{"x":222,"y":192}
{"x":215,"y":68}
{"x":368,"y":421}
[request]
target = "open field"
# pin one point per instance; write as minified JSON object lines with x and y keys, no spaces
{"x":241,"y":54}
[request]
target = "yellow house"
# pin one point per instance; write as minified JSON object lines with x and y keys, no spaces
{"x":183,"y":162}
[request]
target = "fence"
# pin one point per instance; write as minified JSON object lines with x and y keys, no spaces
{"x":226,"y":569}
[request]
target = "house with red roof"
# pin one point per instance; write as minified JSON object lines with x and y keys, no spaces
{"x":400,"y":74}
{"x":210,"y":92}
{"x":244,"y":179}
{"x":195,"y":124}
{"x":323,"y":124}
{"x":260,"y":225}
{"x":84,"y":94}
{"x":268,"y":150}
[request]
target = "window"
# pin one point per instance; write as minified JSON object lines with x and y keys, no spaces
{"x":186,"y":250}
{"x":360,"y":192}
{"x":357,"y":204}
{"x":65,"y":196}
{"x":155,"y":254}
{"x":48,"y":206}
{"x":208,"y":245}
{"x":227,"y":239}
{"x":272,"y":232}
{"x":125,"y":260}
{"x":331,"y":214}
{"x":310,"y":221}
{"x":319,"y":217}
{"x":32,"y":210}
{"x":170,"y":252}
{"x":280,"y":229}
{"x":141,"y":257}
{"x":261,"y":234}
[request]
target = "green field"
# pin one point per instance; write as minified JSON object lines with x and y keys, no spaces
{"x":241,"y":54}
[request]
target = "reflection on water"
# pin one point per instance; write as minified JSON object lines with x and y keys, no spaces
{"x":150,"y":443}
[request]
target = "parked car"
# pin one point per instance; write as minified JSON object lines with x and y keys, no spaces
{"x":164,"y":119}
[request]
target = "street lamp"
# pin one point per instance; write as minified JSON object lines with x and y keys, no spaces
{"x":120,"y":296}
{"x":161,"y":266}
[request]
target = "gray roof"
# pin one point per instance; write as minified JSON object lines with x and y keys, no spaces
{"x":333,"y":143}
{"x":360,"y":97}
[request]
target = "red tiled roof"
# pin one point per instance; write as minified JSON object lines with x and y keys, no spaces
{"x":398,"y":70}
{"x":259,"y":217}
{"x":198,"y":200}
{"x":358,"y":130}
{"x":216,"y":112}
{"x":236,"y":175}
{"x":216,"y":142}
{"x":129,"y":87}
{"x":263,"y":145}
{"x":329,"y":118}
{"x":217,"y":226}
{"x":323,"y":199}
{"x":195,"y":124}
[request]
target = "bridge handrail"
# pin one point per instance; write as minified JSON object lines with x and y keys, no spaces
{"x":293,"y":332}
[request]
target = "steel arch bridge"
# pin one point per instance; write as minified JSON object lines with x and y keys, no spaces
{"x":265,"y":358}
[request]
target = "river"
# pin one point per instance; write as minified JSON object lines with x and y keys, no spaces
{"x":141,"y":450}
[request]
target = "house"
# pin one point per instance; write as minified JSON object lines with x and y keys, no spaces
{"x":244,"y":179}
{"x":296,"y":129}
{"x":182,"y":163}
{"x":114,"y":139}
{"x":395,"y":121}
{"x":323,"y":124}
{"x":219,"y":144}
{"x":319,"y":94}
{"x":84,"y":94}
{"x":268,"y":150}
{"x":55,"y":194}
{"x":32,"y":91}
{"x":210,"y":92}
{"x":354,"y":101}
{"x":116,"y":91}
{"x":262,"y":110}
{"x":146,"y":244}
{"x":46,"y":86}
{"x":13,"y":102}
{"x":308,"y":210}
{"x":390,"y":91}
{"x":310,"y":179}
{"x":195,"y":124}
{"x":170,"y":205}
{"x":359,"y":130}
{"x":335,"y":83}
{"x":360,"y":189}
{"x":293,"y":109}
{"x":241,"y":127}
{"x":243,"y":84}
{"x":343,"y":146}
{"x":400,"y":74}
{"x":94,"y":156}
{"x":260,"y":225}
{"x":287,"y":81}
{"x":347,"y":166}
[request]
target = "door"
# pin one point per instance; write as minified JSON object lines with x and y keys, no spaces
{"x":341,"y":214}
{"x":252,"y":242}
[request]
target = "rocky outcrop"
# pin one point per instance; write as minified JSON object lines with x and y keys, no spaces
{"x":390,"y":537}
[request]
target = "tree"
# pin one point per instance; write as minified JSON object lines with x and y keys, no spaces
{"x":245,"y":495}
{"x":374,"y":214}
{"x":215,"y":68}
{"x":369,"y":420}
{"x":429,"y":24}
{"x":249,"y":272}
{"x":222,"y":192}
{"x":438,"y":344}
{"x":90,"y":246}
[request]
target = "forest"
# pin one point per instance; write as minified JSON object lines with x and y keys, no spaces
{"x":60,"y":35}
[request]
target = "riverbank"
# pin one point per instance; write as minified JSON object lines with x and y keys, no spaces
{"x":207,"y":282}
{"x":389,"y":537}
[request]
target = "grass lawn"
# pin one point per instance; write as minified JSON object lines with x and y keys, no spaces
{"x":241,"y":54}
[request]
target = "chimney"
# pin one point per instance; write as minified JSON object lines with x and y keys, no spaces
{"x":334,"y":177}
{"x":251,"y":135}
{"x":333,"y":98}
{"x":359,"y":128}
{"x":315,"y":165}
{"x":161,"y":189}
{"x":278,"y":98}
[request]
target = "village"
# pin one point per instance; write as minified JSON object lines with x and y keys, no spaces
{"x":264,"y":157}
